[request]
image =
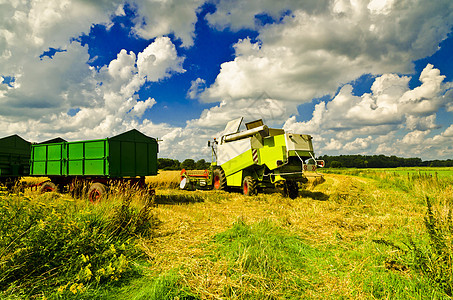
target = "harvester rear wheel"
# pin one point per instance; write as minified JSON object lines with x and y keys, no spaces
{"x":97,"y":191}
{"x":249,"y":186}
{"x":219,"y":180}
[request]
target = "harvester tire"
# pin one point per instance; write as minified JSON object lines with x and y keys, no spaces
{"x":48,"y":186}
{"x":97,"y":192}
{"x":219,"y":179}
{"x":249,"y":186}
{"x":292,"y":189}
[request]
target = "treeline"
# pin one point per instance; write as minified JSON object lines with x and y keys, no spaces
{"x":380,"y":161}
{"x":188,"y":164}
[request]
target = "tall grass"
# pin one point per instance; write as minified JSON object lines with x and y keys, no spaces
{"x":435,"y":261}
{"x":60,"y":247}
{"x":431,"y":253}
{"x":419,"y":184}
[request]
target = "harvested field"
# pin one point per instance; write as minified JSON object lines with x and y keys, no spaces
{"x":350,"y":237}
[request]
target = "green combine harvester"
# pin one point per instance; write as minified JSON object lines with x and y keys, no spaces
{"x":256,"y":158}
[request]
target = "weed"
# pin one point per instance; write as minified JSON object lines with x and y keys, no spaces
{"x":435,"y":260}
{"x":64,"y":248}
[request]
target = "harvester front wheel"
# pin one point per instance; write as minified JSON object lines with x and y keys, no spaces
{"x":219,"y":179}
{"x":249,"y":186}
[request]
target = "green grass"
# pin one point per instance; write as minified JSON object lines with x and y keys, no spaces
{"x":267,"y":262}
{"x":166,"y":286}
{"x":262,"y":255}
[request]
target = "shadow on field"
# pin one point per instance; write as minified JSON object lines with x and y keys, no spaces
{"x":177,"y":199}
{"x":314,"y":195}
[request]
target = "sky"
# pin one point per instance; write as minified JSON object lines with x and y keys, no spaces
{"x":361,"y":76}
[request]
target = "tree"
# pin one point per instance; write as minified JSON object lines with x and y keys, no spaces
{"x":202,"y":165}
{"x":188,"y":164}
{"x":168,"y":164}
{"x":336,"y":164}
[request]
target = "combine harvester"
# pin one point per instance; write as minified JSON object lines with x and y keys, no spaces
{"x":259,"y":157}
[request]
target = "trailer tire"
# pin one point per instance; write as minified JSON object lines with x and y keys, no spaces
{"x":97,"y":192}
{"x":219,"y":179}
{"x":48,"y":186}
{"x":249,"y":186}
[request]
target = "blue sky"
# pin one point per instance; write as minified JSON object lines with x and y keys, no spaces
{"x":362,"y":77}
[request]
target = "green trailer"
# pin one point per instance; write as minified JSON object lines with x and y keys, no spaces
{"x":14,"y":159}
{"x":127,"y":157}
{"x":256,"y":158}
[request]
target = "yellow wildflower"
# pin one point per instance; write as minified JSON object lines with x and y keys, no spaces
{"x":73,"y":288}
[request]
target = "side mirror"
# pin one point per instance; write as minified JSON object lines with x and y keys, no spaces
{"x":209,"y":143}
{"x":320,"y":163}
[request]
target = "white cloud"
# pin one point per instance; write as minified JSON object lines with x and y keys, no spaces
{"x":416,"y":137}
{"x":162,"y":17}
{"x":110,"y":104}
{"x":104,"y":101}
{"x":320,"y":46}
{"x":421,"y":123}
{"x":28,"y":28}
{"x":359,"y":144}
{"x":314,"y":48}
{"x":448,"y":132}
{"x":159,"y":60}
{"x":333,"y":145}
{"x":196,"y":87}
{"x":363,"y":123}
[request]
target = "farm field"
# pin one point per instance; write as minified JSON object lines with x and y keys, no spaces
{"x":442,"y":172}
{"x":379,"y":235}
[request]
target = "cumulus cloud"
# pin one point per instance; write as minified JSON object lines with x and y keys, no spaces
{"x":28,"y":28}
{"x":310,"y":50}
{"x":448,"y":132}
{"x":358,"y":123}
{"x":159,"y":60}
{"x":106,"y":99}
{"x":323,"y":44}
{"x":168,"y":16}
{"x":196,"y":87}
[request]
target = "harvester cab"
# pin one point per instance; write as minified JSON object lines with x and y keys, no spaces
{"x":259,"y":157}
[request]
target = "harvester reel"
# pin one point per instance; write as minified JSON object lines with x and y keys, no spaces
{"x":219,"y":179}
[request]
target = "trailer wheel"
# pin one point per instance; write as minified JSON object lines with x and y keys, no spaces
{"x":292,"y":189}
{"x":48,"y":186}
{"x":97,"y":192}
{"x":219,"y":180}
{"x":249,"y":186}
